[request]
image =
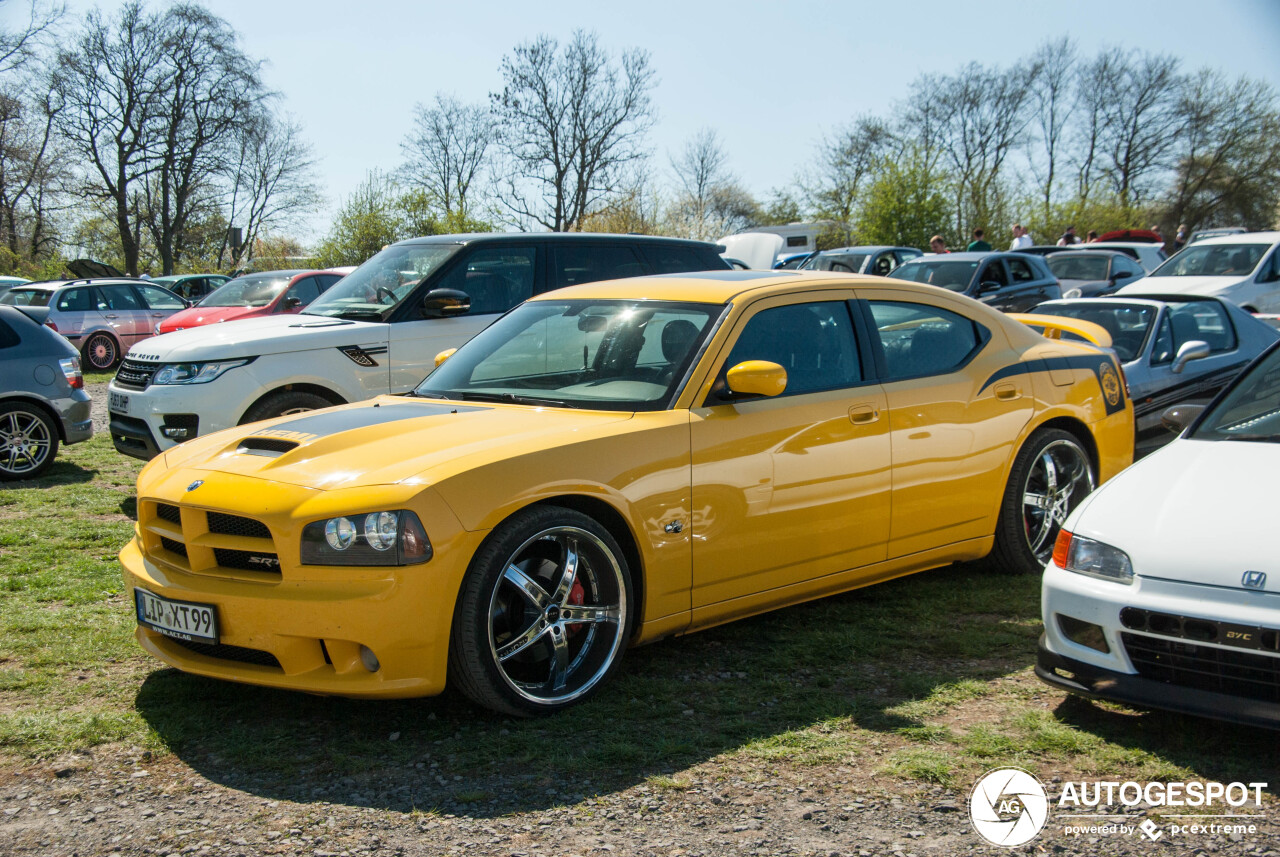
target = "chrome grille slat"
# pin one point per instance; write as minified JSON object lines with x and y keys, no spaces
{"x":135,"y":374}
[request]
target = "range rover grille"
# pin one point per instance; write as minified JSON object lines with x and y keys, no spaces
{"x":135,"y":374}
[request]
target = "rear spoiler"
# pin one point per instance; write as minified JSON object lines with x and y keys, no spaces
{"x":1053,"y":326}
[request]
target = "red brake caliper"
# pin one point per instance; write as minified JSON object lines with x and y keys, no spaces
{"x":577,"y":595}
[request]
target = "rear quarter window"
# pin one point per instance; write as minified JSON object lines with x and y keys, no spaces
{"x":675,"y":259}
{"x":8,"y":336}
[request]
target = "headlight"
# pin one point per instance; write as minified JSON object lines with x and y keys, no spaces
{"x":1085,"y":556}
{"x":194,"y":373}
{"x":376,"y":538}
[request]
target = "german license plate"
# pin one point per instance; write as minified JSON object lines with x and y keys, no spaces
{"x":118,"y":403}
{"x":184,"y":620}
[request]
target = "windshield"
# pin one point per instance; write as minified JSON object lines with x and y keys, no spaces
{"x":252,"y":290}
{"x":606,"y":355}
{"x":1127,"y":323}
{"x":381,"y":284}
{"x":953,"y":275}
{"x":848,"y":262}
{"x":1213,"y":260}
{"x":1091,"y":266}
{"x":26,"y":297}
{"x":1251,"y":410}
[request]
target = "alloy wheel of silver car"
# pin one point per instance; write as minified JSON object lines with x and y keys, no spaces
{"x":545,"y":614}
{"x":28,"y":442}
{"x":100,"y":352}
{"x":1059,"y":478}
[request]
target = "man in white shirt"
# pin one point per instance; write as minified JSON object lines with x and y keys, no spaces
{"x":1020,"y":238}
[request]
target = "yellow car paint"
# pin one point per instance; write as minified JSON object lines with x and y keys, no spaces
{"x":723,"y":508}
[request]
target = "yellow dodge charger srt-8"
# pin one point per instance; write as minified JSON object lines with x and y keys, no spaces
{"x":614,"y":463}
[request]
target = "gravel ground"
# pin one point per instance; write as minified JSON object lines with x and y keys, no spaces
{"x":119,"y":800}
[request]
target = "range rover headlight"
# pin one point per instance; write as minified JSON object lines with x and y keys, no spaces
{"x":1096,"y":559}
{"x":377,"y":538}
{"x":194,"y":373}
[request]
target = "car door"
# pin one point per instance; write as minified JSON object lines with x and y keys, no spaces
{"x":791,"y":487}
{"x":495,"y":276}
{"x":298,"y":295}
{"x":952,"y":432}
{"x":1028,"y":285}
{"x":74,"y":311}
{"x":123,"y":310}
{"x":160,"y":304}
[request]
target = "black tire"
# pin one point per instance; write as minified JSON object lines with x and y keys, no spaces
{"x":101,"y":352}
{"x":28,"y":441}
{"x":284,"y":403}
{"x":1050,"y":476}
{"x":527,"y":637}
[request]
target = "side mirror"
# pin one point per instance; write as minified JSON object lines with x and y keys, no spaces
{"x":1193,"y":350}
{"x":988,"y":287}
{"x":292,"y":303}
{"x":444,"y":355}
{"x":1121,"y":275}
{"x":1178,"y":417}
{"x":756,"y":378}
{"x":445,"y":303}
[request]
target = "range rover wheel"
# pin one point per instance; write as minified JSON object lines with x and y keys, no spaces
{"x":283,"y":404}
{"x":101,"y":352}
{"x":28,"y":441}
{"x":1050,"y":476}
{"x":544,"y":613}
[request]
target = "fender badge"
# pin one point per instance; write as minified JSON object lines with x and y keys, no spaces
{"x":194,"y":485}
{"x":1254,"y":579}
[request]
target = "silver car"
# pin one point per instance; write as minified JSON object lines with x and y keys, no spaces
{"x":101,"y":317}
{"x":42,"y":396}
{"x":1174,"y":349}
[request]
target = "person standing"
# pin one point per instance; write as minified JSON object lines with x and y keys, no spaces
{"x":1180,"y":239}
{"x":1021,"y":238}
{"x":1091,"y":237}
{"x":937,"y":245}
{"x":979,"y":243}
{"x":1069,"y":237}
{"x":1160,"y":238}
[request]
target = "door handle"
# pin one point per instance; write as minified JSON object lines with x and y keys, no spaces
{"x":1006,"y":392}
{"x":863,"y":414}
{"x":111,"y":316}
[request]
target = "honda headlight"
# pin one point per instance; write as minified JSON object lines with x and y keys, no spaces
{"x":374,"y":538}
{"x":194,"y":373}
{"x":1096,"y":559}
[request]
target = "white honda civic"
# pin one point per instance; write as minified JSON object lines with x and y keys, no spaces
{"x":1164,"y":587}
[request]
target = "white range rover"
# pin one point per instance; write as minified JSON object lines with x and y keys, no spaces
{"x":376,"y":331}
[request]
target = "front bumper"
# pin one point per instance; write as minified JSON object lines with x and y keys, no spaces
{"x":1167,"y":665}
{"x":77,"y":424}
{"x":139,"y":429}
{"x":298,"y":627}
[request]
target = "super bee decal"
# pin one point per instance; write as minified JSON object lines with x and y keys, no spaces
{"x":1102,"y":367}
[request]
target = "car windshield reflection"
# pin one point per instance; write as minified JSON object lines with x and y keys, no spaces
{"x":372,"y":291}
{"x":1251,"y":411}
{"x":608,"y":355}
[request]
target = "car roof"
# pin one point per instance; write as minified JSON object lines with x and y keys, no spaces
{"x":964,"y":256}
{"x":50,"y":285}
{"x":510,"y":237}
{"x":1104,"y":251}
{"x":1243,"y":238}
{"x":863,"y":248}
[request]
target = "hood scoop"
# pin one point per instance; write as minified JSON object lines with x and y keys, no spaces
{"x":267,"y":447}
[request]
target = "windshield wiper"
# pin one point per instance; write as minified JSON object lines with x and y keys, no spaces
{"x":513,"y":399}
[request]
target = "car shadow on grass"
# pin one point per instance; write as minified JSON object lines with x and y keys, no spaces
{"x":61,"y":472}
{"x":811,"y":684}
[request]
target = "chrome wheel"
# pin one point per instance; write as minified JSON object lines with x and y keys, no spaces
{"x":1059,"y":477}
{"x":101,"y":352}
{"x":27,"y":443}
{"x":556,"y":615}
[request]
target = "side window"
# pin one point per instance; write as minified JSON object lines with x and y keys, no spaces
{"x":918,"y":339}
{"x":1204,"y":321}
{"x":907,"y":255}
{"x":674,"y":259}
{"x":813,"y":342}
{"x":496,"y":278}
{"x":117,"y":298}
{"x":1020,"y":270}
{"x":1162,"y":350}
{"x":994,"y":273}
{"x":305,"y":290}
{"x":586,"y":263}
{"x":324,"y":281}
{"x":75,"y":300}
{"x":158,"y":298}
{"x":8,"y":336}
{"x":882,"y":265}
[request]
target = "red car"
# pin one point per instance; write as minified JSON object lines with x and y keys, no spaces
{"x":267,"y":293}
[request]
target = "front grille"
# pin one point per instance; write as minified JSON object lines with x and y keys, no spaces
{"x":234,"y":525}
{"x":169,"y":513}
{"x":173,"y":547}
{"x":135,"y":374}
{"x":247,"y":560}
{"x":1201,"y":630}
{"x":1229,"y":671}
{"x":230,"y":653}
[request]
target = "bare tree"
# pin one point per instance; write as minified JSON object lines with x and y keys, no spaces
{"x":447,"y":152}
{"x":19,"y":47}
{"x":1140,"y":124}
{"x":702,"y":175}
{"x":846,"y":161}
{"x":271,"y":180}
{"x":1052,"y":77}
{"x":573,"y":121}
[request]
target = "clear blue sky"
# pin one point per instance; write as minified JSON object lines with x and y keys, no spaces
{"x":771,"y":78}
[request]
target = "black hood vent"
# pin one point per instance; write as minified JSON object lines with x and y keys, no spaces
{"x":268,"y":447}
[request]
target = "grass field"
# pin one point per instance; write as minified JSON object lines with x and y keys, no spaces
{"x":924,"y":680}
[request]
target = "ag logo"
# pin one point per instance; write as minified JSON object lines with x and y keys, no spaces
{"x":1110,"y":384}
{"x":1008,"y":807}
